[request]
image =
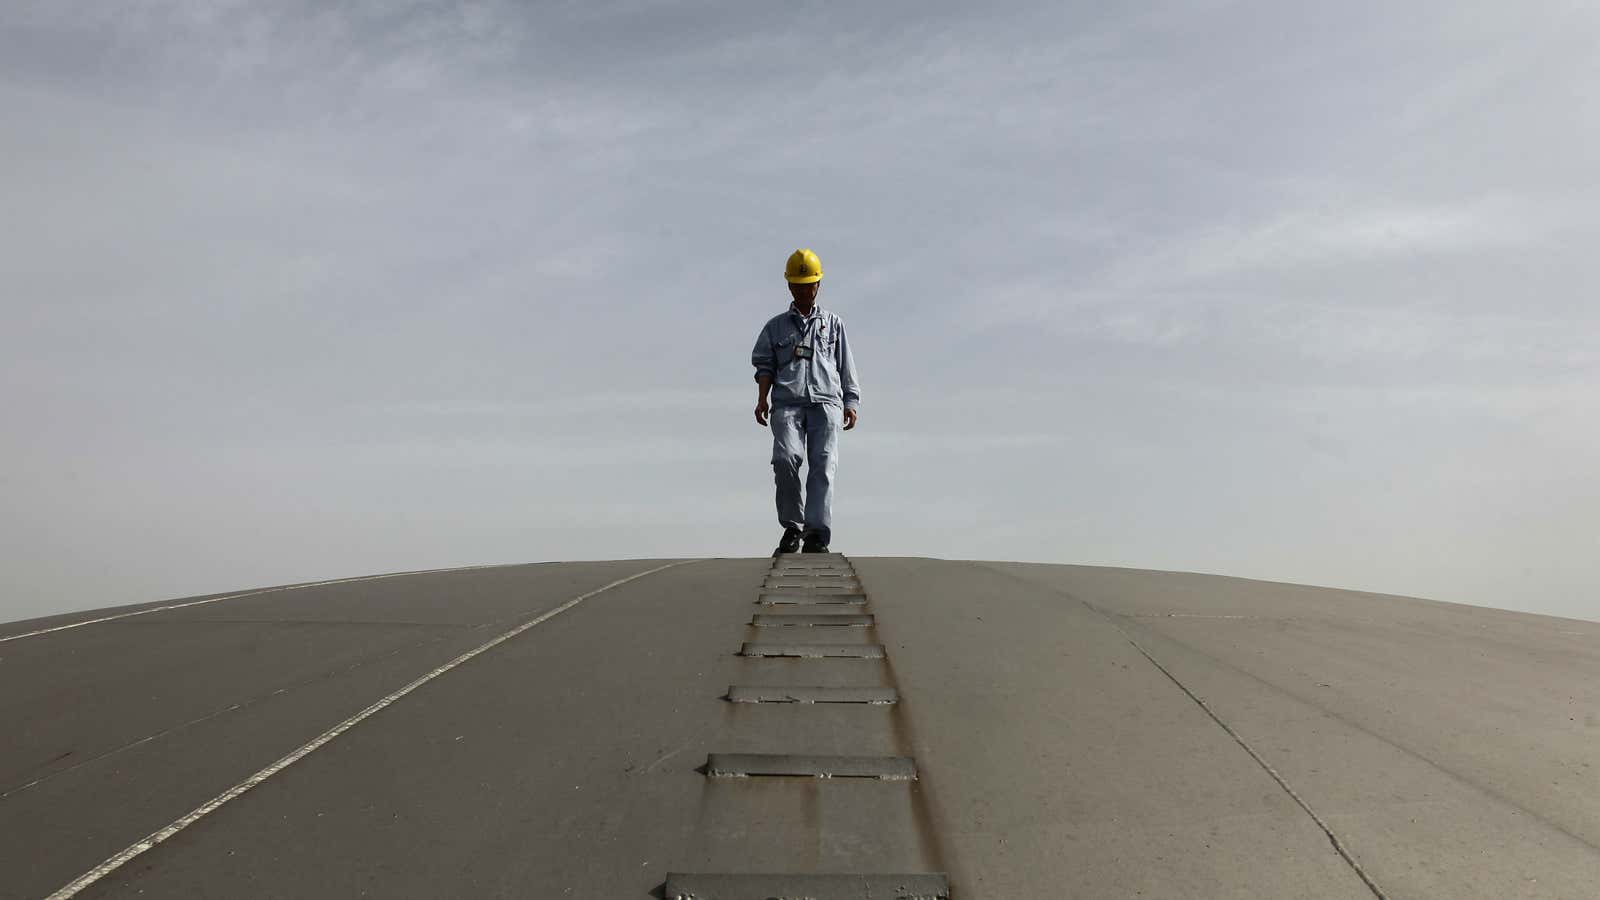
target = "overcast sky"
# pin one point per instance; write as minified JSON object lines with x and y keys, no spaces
{"x":1299,"y":291}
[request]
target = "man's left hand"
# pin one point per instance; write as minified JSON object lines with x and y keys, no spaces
{"x":849,"y":419}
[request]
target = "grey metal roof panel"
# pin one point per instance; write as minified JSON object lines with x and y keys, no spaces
{"x":882,"y":696}
{"x":813,"y":651}
{"x":803,"y":765}
{"x":801,"y":620}
{"x":783,"y":598}
{"x":811,"y":887}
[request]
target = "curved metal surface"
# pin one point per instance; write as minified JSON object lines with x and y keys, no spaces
{"x":1077,"y":732}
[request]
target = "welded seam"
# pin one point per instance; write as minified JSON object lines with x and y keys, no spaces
{"x":926,"y":819}
{"x":232,"y":707}
{"x":353,"y":623}
{"x":1441,"y":768}
{"x":120,"y":859}
{"x":274,"y":590}
{"x":1338,"y":845}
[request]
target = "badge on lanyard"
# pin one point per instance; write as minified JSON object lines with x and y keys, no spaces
{"x":803,"y":350}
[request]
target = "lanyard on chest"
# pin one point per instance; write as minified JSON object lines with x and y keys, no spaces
{"x":807,"y":326}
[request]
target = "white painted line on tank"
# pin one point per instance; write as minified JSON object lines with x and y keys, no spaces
{"x":116,"y":862}
{"x":287,"y":587}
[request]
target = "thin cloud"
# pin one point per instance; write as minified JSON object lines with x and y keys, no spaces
{"x":1317,"y":239}
{"x":1153,"y":284}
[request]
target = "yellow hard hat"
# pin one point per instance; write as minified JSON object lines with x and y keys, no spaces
{"x":803,"y":268}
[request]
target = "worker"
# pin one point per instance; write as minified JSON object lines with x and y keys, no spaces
{"x":806,"y":382}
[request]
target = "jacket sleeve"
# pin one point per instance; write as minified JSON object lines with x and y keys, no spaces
{"x":762,"y":357}
{"x":847,"y":372}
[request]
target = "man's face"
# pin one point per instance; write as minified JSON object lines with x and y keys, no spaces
{"x":805,"y":293}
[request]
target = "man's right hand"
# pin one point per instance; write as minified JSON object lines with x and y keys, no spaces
{"x":761,"y":411}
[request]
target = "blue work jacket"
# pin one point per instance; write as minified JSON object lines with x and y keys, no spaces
{"x":827,"y":376}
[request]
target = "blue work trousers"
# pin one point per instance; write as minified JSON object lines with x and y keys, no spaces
{"x":809,"y":434}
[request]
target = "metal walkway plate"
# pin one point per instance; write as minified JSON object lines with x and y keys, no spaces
{"x":810,"y":609}
{"x":781,"y":765}
{"x":813,"y":651}
{"x":811,"y":887}
{"x":880,"y":696}
{"x":783,"y":599}
{"x":815,"y":582}
{"x":781,"y":619}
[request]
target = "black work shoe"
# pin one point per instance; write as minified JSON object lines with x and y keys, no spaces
{"x":814,"y":545}
{"x":790,"y":542}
